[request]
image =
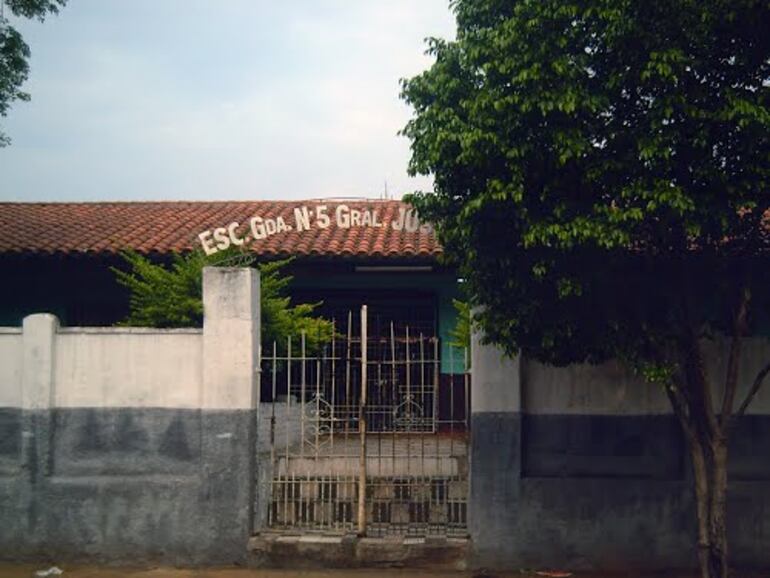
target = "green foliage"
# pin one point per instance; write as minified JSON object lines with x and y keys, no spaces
{"x":601,"y":169}
{"x":281,"y":320}
{"x":461,"y":334}
{"x":172,"y":297}
{"x":14,"y":52}
{"x":602,"y":173}
{"x":163,"y":296}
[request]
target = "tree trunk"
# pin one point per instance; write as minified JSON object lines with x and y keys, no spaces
{"x":709,"y":460}
{"x":706,"y":429}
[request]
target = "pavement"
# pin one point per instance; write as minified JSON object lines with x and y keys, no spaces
{"x":28,"y":571}
{"x":8,"y":570}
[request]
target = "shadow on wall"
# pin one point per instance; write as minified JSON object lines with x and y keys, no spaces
{"x":585,"y":467}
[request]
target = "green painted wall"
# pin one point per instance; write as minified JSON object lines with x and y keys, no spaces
{"x":443,"y":284}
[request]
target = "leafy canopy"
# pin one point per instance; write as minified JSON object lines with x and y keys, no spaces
{"x":601,"y":179}
{"x":173,"y":297}
{"x":14,"y":52}
{"x":601,"y":169}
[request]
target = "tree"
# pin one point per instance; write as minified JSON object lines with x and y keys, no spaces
{"x":601,"y":172}
{"x":461,"y":334}
{"x":14,"y":52}
{"x":173,"y":297}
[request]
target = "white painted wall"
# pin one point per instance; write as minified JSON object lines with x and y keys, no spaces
{"x":495,"y":379}
{"x":44,"y":365}
{"x":11,"y":348}
{"x":128,"y":368}
{"x":231,"y":337}
{"x":500,"y":384}
{"x":608,"y":389}
{"x":755,"y":354}
{"x":605,"y":389}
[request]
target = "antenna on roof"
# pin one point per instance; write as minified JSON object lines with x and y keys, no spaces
{"x":385,"y":192}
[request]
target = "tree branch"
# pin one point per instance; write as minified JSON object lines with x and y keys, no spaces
{"x":755,"y":387}
{"x":699,"y":397}
{"x":733,"y":361}
{"x":700,"y":400}
{"x":679,"y":404}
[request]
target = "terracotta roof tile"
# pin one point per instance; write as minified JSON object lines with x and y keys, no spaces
{"x":164,"y":227}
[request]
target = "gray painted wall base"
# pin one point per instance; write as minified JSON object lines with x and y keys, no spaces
{"x":126,"y":485}
{"x":175,"y":486}
{"x":605,"y":492}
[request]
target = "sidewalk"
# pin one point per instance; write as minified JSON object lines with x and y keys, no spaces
{"x":28,"y":571}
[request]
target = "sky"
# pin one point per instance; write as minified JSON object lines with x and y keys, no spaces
{"x":217,"y":100}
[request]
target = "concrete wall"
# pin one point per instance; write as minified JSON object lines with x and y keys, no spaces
{"x":128,"y":367}
{"x":11,"y":348}
{"x":132,"y":444}
{"x":585,"y":466}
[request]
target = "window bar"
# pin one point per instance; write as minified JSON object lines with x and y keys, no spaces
{"x":394,"y":375}
{"x":334,"y":383}
{"x":466,"y":382}
{"x":408,"y":387}
{"x":422,"y":364}
{"x":289,"y":521}
{"x":335,"y":508}
{"x":307,"y":494}
{"x":301,"y":468}
{"x":272,"y":406}
{"x":451,"y":398}
{"x":436,"y":377}
{"x":318,"y":416}
{"x":302,"y":400}
{"x":409,"y":423}
{"x":362,"y":429}
{"x":436,"y":372}
{"x":288,"y":400}
{"x":271,"y":506}
{"x":381,"y":417}
{"x":320,"y":500}
{"x":347,"y":406}
{"x":424,"y":397}
{"x":325,"y":501}
{"x":424,"y":402}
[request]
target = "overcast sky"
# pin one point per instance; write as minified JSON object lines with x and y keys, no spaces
{"x":226,"y":99}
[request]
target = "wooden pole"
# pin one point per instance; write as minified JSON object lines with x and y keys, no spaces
{"x":362,"y":429}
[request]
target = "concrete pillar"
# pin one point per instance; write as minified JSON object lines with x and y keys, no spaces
{"x":39,"y":339}
{"x":231,"y":347}
{"x":496,"y":381}
{"x":37,"y":400}
{"x":495,"y":458}
{"x":231,"y":337}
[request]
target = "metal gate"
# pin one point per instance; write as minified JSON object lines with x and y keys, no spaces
{"x":366,"y":434}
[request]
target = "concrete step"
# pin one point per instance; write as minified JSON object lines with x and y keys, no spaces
{"x":280,"y":550}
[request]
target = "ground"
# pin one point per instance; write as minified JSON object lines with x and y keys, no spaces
{"x":28,"y":571}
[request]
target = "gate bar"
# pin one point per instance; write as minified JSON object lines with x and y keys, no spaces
{"x":362,"y":428}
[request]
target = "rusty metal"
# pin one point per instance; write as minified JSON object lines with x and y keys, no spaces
{"x":375,"y":438}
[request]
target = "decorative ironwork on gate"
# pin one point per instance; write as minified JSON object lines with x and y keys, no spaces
{"x":366,"y":434}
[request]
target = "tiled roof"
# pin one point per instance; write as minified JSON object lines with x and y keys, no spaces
{"x":162,"y":227}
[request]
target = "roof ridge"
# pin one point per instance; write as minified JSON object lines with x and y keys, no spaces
{"x":204,"y":202}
